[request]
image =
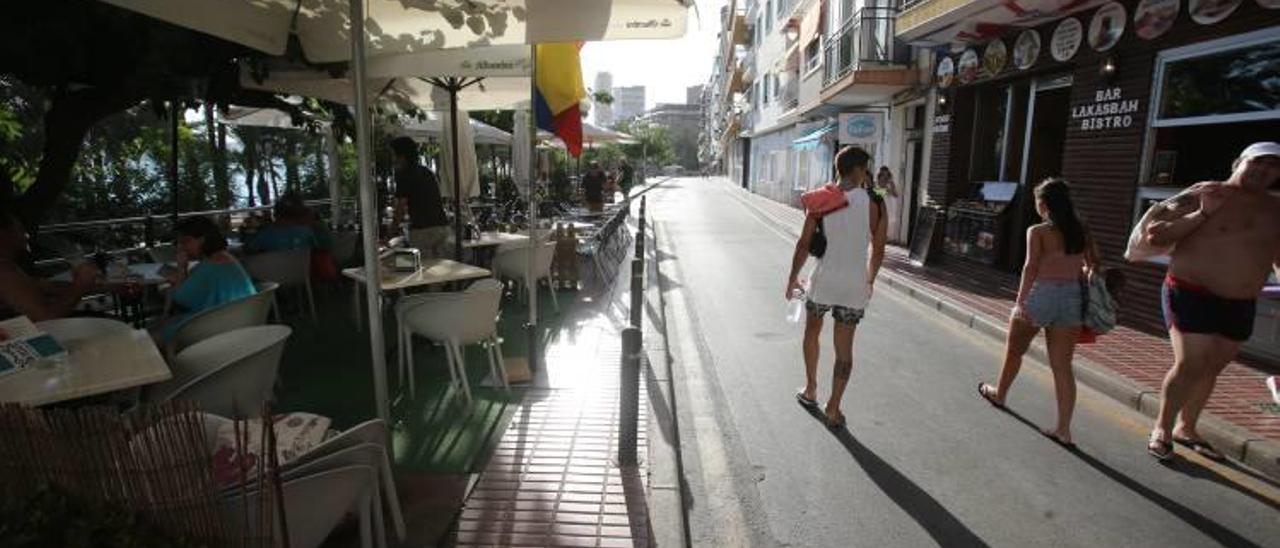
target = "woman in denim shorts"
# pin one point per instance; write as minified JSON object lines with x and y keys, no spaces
{"x":1049,"y":298}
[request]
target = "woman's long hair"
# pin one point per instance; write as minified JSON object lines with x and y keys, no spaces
{"x":1056,"y":195}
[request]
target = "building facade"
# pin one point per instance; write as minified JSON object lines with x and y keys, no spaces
{"x":1130,"y":101}
{"x":628,"y":103}
{"x":603,"y":112}
{"x":683,"y":124}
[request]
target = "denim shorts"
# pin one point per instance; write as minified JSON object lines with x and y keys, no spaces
{"x":1054,"y":303}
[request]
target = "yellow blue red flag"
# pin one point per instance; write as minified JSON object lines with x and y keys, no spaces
{"x":559,"y":91}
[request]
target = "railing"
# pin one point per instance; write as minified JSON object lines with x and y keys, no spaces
{"x":122,"y":234}
{"x":908,"y":4}
{"x":790,"y":98}
{"x":865,"y":37}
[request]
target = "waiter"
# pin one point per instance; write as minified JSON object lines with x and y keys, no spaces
{"x":418,"y":192}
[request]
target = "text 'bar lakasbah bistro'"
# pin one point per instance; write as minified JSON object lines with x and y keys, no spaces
{"x":1130,"y":101}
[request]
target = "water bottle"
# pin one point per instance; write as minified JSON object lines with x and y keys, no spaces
{"x":795,"y":306}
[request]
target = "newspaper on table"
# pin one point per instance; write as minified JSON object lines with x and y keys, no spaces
{"x":24,"y":345}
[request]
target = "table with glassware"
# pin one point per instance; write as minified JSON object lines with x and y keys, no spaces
{"x":129,"y":284}
{"x":102,"y":356}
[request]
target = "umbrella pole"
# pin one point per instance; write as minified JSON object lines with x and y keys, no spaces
{"x":454,"y":87}
{"x":369,"y":220}
{"x":532,"y":327}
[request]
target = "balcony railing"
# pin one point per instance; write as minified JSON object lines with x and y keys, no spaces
{"x":865,"y":37}
{"x":790,"y":97}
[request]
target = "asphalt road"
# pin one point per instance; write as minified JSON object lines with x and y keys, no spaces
{"x":924,"y":461}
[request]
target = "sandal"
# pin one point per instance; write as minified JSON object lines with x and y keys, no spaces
{"x":837,"y":423}
{"x":1068,"y":445}
{"x":986,"y":391}
{"x":805,"y":402}
{"x":1162,"y":450}
{"x":1201,"y":447}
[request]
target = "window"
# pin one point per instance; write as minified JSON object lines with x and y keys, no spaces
{"x":776,"y":88}
{"x":764,"y":90}
{"x":768,"y":16}
{"x":813,"y":55}
{"x":1209,"y":101}
{"x":1237,"y":83}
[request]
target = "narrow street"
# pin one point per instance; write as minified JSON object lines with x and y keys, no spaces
{"x":924,"y":460}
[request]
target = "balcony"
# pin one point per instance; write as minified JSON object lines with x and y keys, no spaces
{"x":864,"y":64}
{"x":790,"y":96}
{"x":866,"y":37}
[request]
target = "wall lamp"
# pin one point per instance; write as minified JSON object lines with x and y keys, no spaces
{"x":1108,"y":68}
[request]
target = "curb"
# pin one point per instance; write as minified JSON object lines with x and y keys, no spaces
{"x":1237,"y":443}
{"x":667,"y":518}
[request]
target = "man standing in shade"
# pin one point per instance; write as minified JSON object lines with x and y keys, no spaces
{"x":1227,"y":241}
{"x":418,"y":193}
{"x":593,"y":188}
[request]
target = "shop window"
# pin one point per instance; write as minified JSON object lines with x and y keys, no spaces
{"x":768,"y":16}
{"x":1212,"y":100}
{"x":1241,"y":82}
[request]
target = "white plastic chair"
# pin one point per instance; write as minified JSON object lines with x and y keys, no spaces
{"x":314,"y":505}
{"x":247,"y":312}
{"x":231,"y":374}
{"x":454,"y":320}
{"x":287,"y":268}
{"x":512,"y":264}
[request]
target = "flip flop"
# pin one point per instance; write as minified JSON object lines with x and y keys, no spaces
{"x":1162,"y":450}
{"x":1201,"y":448}
{"x":838,"y":423}
{"x":806,"y":402}
{"x":985,"y":390}
{"x":1069,"y":445}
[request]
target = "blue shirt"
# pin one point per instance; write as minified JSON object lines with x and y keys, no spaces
{"x":207,"y":286}
{"x":278,"y":237}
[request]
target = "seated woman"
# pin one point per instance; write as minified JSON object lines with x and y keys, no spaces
{"x":217,"y":279}
{"x":291,"y":230}
{"x":23,"y":295}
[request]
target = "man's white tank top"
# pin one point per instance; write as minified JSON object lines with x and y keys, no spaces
{"x":841,"y":276}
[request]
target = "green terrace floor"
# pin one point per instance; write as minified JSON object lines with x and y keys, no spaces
{"x":440,"y":442}
{"x":327,"y":370}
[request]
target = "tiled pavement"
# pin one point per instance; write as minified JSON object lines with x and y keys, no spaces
{"x":1240,"y":398}
{"x":553,"y":479}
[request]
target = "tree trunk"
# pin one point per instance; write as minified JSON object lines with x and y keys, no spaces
{"x":65,"y":125}
{"x":292,"y":176}
{"x":250,"y":165}
{"x":221,"y":184}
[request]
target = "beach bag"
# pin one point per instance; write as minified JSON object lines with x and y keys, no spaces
{"x":1138,"y":249}
{"x":1099,"y":308}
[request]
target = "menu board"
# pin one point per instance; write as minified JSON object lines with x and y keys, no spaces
{"x":923,"y":237}
{"x":24,"y":345}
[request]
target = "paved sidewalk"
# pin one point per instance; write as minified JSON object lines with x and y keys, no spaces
{"x":1132,"y":363}
{"x":553,"y":479}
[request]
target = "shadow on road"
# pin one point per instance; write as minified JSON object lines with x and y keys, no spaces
{"x":945,"y":528}
{"x":1203,"y":523}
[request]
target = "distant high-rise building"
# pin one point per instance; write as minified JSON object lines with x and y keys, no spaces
{"x":693,"y":95}
{"x":628,"y":102}
{"x":603,"y":113}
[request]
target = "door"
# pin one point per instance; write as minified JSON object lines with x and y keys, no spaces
{"x":1048,"y":113}
{"x":913,"y":187}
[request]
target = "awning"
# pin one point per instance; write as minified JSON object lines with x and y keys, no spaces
{"x":812,"y":139}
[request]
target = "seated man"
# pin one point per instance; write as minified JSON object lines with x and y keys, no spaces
{"x":23,"y":295}
{"x":291,"y":230}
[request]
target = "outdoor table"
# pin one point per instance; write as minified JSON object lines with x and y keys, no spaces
{"x":432,"y":272}
{"x":129,"y":298}
{"x":102,"y":356}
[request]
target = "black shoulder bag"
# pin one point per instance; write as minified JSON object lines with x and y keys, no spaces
{"x":818,"y":242}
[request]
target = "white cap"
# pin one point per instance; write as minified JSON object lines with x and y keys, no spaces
{"x":1263,"y":148}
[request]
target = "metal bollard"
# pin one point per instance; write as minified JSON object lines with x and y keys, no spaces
{"x":629,"y":399}
{"x":637,"y":292}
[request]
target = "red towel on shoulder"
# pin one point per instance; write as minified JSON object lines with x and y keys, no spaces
{"x":824,"y":200}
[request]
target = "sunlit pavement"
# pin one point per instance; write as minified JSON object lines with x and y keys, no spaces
{"x":924,"y":460}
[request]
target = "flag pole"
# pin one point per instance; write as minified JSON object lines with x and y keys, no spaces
{"x":532,"y":326}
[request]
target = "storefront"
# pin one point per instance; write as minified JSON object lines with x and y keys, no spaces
{"x":1129,"y":101}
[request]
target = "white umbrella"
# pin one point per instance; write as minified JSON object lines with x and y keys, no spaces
{"x":592,"y":133}
{"x":394,"y":27}
{"x":432,"y":126}
{"x":467,"y":174}
{"x":397,"y":27}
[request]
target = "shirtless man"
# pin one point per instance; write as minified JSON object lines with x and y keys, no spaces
{"x":36,"y":299}
{"x":1227,"y":238}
